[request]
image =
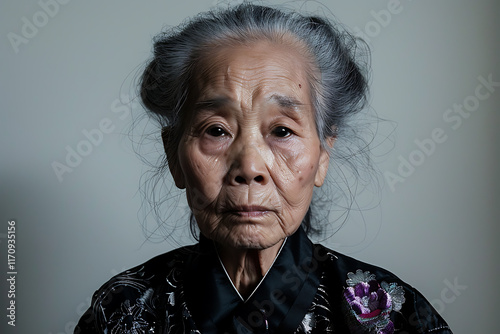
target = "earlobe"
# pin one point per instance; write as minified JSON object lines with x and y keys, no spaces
{"x":324,"y":161}
{"x":172,"y":159}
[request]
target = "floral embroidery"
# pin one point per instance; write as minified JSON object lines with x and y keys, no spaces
{"x":128,"y":319}
{"x":371,"y":303}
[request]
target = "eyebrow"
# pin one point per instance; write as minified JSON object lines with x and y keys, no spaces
{"x":212,"y":104}
{"x":289,"y":106}
{"x":286,"y":102}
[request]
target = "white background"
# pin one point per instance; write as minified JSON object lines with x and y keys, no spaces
{"x":439,"y":225}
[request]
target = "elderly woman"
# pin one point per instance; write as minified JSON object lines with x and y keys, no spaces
{"x":251,"y":100}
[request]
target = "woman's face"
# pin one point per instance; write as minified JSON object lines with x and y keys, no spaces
{"x":250,"y":155}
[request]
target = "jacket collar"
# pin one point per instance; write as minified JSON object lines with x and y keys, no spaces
{"x":278,"y":304}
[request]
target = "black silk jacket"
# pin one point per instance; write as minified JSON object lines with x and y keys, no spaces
{"x":309,"y":289}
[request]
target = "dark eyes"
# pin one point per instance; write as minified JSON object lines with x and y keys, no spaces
{"x":282,"y":132}
{"x":216,"y":131}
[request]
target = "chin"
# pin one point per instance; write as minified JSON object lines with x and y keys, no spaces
{"x":249,"y":238}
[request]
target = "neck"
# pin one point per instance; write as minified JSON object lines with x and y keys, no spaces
{"x":247,"y":267}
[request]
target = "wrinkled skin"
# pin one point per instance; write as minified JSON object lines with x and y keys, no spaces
{"x":250,"y":155}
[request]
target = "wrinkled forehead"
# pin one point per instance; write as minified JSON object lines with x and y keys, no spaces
{"x":258,"y":68}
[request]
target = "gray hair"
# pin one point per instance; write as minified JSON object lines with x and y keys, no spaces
{"x":340,"y":84}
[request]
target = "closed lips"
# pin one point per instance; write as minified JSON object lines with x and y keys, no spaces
{"x":251,"y":210}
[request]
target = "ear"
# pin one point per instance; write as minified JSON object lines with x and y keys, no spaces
{"x":172,"y":158}
{"x":324,"y":160}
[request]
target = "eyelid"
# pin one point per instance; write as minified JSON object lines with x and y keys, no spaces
{"x":204,"y":120}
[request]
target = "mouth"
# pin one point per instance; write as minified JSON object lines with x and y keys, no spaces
{"x":249,"y":211}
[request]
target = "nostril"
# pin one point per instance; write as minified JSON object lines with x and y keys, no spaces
{"x":259,"y":178}
{"x":240,"y":179}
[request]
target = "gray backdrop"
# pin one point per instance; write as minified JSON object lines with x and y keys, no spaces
{"x":68,"y":66}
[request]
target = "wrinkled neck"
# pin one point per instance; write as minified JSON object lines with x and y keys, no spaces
{"x":247,"y":267}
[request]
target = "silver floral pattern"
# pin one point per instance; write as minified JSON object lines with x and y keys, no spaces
{"x":151,"y":299}
{"x":128,"y":320}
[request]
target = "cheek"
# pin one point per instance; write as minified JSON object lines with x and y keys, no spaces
{"x":203,"y":174}
{"x":296,"y":183}
{"x":298,"y":169}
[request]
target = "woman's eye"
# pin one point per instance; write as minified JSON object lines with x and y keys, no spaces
{"x":216,"y":131}
{"x":282,"y":132}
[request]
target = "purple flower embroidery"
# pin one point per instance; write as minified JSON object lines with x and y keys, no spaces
{"x":371,"y":303}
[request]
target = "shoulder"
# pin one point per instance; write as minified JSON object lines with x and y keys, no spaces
{"x":393,"y":302}
{"x":135,"y":293}
{"x":149,"y":274}
{"x":344,"y":264}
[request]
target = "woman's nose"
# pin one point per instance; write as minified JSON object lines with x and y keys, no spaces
{"x":248,"y":166}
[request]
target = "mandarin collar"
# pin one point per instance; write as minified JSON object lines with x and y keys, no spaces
{"x":278,"y":304}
